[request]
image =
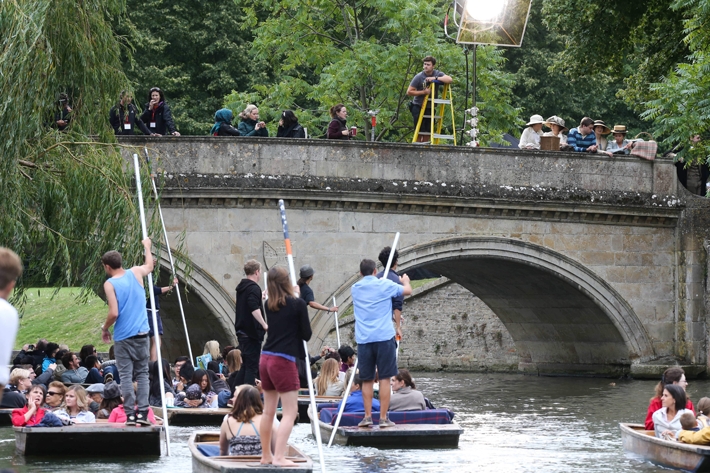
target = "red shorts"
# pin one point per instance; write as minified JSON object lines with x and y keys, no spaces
{"x":278,"y":374}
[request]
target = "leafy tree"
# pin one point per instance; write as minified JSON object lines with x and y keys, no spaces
{"x":195,"y":50}
{"x":363,"y":54}
{"x":66,"y":197}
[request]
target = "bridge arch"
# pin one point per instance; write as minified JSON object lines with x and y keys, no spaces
{"x":563,"y":317}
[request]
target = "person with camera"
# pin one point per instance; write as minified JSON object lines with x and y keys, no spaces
{"x":250,"y":124}
{"x":157,"y":114}
{"x":124,"y":116}
{"x":419,"y":88}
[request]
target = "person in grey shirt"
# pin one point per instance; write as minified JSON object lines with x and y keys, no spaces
{"x":419,"y":87}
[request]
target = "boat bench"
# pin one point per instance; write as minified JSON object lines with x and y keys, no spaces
{"x":351,"y":419}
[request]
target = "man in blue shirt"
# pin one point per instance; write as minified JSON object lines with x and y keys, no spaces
{"x":355,"y":402}
{"x":582,"y":138}
{"x":125,"y":295}
{"x":375,"y":335}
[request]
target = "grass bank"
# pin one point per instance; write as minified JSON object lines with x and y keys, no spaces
{"x":61,"y":319}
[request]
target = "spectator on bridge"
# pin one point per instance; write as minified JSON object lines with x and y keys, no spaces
{"x":666,"y":420}
{"x":674,"y":375}
{"x":600,"y":133}
{"x":582,"y":138}
{"x":124,"y":117}
{"x":250,"y":124}
{"x":337,"y":128}
{"x":620,"y":145}
{"x":419,"y":87}
{"x":157,"y":114}
{"x":557,"y":128}
{"x":223,"y":124}
{"x":74,"y":373}
{"x":289,"y":126}
{"x":405,"y":396}
{"x":530,"y":139}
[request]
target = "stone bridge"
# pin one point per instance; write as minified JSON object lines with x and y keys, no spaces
{"x":579,"y":264}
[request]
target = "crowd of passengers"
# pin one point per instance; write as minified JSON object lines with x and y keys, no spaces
{"x":52,"y":386}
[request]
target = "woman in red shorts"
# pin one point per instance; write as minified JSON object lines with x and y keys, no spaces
{"x":288,"y":326}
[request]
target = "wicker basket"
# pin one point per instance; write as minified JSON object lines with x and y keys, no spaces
{"x":550,"y":143}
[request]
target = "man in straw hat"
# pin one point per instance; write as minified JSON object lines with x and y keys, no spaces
{"x":530,"y":139}
{"x":557,"y":128}
{"x":582,"y":138}
{"x":620,"y":145}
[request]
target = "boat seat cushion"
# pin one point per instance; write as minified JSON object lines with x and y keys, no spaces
{"x":208,"y":450}
{"x":349,"y":419}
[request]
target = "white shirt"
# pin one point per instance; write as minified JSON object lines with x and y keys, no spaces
{"x":9,"y":321}
{"x":530,"y":139}
{"x":563,"y":137}
{"x":661,"y":423}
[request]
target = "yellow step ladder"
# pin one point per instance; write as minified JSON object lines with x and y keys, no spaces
{"x":433,"y":110}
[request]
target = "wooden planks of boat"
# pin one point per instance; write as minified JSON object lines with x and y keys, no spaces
{"x":239,"y":464}
{"x":667,"y":453}
{"x":5,"y":417}
{"x":83,"y":439}
{"x":398,"y":436}
{"x":304,"y":402}
{"x":193,"y":416}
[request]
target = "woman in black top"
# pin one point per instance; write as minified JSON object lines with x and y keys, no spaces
{"x":157,"y":114}
{"x":223,"y":124}
{"x":337,"y":129}
{"x":289,"y":127}
{"x":288,"y":327}
{"x":124,"y":117}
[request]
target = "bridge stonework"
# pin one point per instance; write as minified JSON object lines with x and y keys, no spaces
{"x":591,"y":264}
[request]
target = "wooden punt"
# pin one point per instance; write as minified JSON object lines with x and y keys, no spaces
{"x":399,"y":436}
{"x":304,"y":402}
{"x":5,"y":417}
{"x":82,"y":439}
{"x":197,"y":416}
{"x":239,"y":464}
{"x":667,"y":453}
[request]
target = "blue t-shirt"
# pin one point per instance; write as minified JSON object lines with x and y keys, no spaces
{"x":132,"y":315}
{"x":372,"y":300}
{"x":356,"y":403}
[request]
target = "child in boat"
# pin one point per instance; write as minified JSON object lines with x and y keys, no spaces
{"x":239,"y":434}
{"x":703,"y":412}
{"x":689,"y":422}
{"x":355,"y":403}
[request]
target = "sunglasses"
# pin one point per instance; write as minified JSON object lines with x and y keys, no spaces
{"x":52,"y":393}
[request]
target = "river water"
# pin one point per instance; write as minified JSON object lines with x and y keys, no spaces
{"x":513,"y":423}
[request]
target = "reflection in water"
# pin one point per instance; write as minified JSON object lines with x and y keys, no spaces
{"x":512,"y":423}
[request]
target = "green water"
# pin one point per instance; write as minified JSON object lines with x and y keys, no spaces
{"x":512,"y":423}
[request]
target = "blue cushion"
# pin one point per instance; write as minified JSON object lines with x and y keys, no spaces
{"x":209,"y":450}
{"x":432,"y":416}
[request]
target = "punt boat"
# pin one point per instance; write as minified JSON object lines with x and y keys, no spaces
{"x":668,"y":453}
{"x":197,"y":416}
{"x":304,"y":402}
{"x":204,"y":447}
{"x":5,"y":417}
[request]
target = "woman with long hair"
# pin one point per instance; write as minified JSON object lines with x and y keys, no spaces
{"x":240,"y":431}
{"x":202,"y":379}
{"x":288,"y":327}
{"x":234,"y":365}
{"x":338,"y":128}
{"x":154,"y":383}
{"x":328,"y":382}
{"x":76,"y":406}
{"x":666,"y":420}
{"x":674,"y":375}
{"x":405,"y":396}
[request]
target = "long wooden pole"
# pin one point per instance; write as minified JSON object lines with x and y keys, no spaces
{"x":292,"y":272}
{"x":156,"y":334}
{"x":386,"y":273}
{"x":335,"y":318}
{"x":172,"y":263}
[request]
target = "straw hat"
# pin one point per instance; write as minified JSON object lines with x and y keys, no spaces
{"x":606,"y":130}
{"x":619,"y":129}
{"x":555,"y":120}
{"x":535,"y":119}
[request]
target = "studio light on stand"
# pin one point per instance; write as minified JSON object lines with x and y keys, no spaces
{"x":494,"y":22}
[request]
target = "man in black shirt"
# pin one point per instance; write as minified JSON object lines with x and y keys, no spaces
{"x":249,"y":321}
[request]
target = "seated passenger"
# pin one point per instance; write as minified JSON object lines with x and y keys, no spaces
{"x":704,"y":412}
{"x":405,"y":397}
{"x":192,"y":397}
{"x":239,"y":434}
{"x":186,"y":372}
{"x":85,"y":352}
{"x":109,"y":368}
{"x":600,"y":133}
{"x":111,"y":400}
{"x":557,"y":128}
{"x":249,"y":126}
{"x":223,"y":124}
{"x":666,"y":420}
{"x":355,"y":403}
{"x":118,"y":415}
{"x":672,"y":375}
{"x":95,"y":394}
{"x":14,"y":393}
{"x":582,"y":138}
{"x":74,"y":373}
{"x":620,"y":145}
{"x":76,"y":406}
{"x":49,"y":355}
{"x":689,"y":422}
{"x":347,"y":357}
{"x":234,"y":364}
{"x":95,"y":375}
{"x":154,"y":394}
{"x":328,"y":382}
{"x":289,"y":126}
{"x":530,"y":139}
{"x":32,"y":413}
{"x":55,"y":395}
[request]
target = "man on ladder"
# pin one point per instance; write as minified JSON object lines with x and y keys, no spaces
{"x":419,"y":88}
